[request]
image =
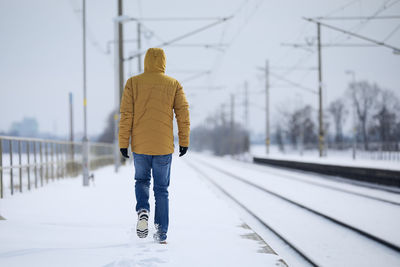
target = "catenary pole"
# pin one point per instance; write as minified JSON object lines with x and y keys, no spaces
{"x":116,"y":97}
{"x":354,"y":118}
{"x":71,"y":126}
{"x":246,"y":105}
{"x":232,"y":124}
{"x":320,"y":111}
{"x":232,"y":112}
{"x":139,"y":46}
{"x":119,"y":77}
{"x":85,"y":141}
{"x":118,"y":82}
{"x":120,"y":50}
{"x":267,"y":130}
{"x":353,"y":74}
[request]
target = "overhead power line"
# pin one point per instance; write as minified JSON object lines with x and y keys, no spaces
{"x":177,"y":18}
{"x":299,"y":45}
{"x":195,"y":76}
{"x":183,"y":36}
{"x":392,"y":33}
{"x":219,"y":47}
{"x":186,"y":70}
{"x":279,"y":77}
{"x":295,"y":84}
{"x":395,"y":49}
{"x":206,"y":87}
{"x":341,"y":8}
{"x":357,"y":18}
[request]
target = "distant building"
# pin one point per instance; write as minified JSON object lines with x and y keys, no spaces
{"x":28,"y":127}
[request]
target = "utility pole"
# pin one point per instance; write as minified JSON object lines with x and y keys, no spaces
{"x":321,"y":125}
{"x":267,"y":132}
{"x":85,"y":143}
{"x":232,"y":124}
{"x":246,"y":105}
{"x":119,"y":77}
{"x":120,"y":50}
{"x":354,"y":113}
{"x":139,"y":46}
{"x":71,"y":127}
{"x":232,"y":111}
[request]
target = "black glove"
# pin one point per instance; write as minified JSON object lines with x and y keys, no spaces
{"x":124,"y":152}
{"x":182,"y":150}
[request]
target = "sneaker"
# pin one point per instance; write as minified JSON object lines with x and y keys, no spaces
{"x":160,"y":238}
{"x":142,"y":228}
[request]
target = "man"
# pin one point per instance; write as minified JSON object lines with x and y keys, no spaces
{"x":147,"y":107}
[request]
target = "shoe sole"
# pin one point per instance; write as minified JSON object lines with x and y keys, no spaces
{"x":142,"y":229}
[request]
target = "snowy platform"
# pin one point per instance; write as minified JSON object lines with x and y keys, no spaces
{"x":334,"y":158}
{"x":65,"y":224}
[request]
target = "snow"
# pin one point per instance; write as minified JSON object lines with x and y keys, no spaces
{"x":66,"y":224}
{"x":328,"y":244}
{"x":341,"y":158}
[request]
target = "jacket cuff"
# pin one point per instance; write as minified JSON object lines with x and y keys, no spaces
{"x":123,"y":144}
{"x":184,"y":143}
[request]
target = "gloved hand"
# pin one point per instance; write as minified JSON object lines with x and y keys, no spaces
{"x":124,"y":152}
{"x":182,"y":150}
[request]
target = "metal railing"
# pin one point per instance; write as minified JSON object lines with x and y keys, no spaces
{"x":33,"y":162}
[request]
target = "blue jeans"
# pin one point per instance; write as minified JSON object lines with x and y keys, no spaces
{"x":160,"y":166}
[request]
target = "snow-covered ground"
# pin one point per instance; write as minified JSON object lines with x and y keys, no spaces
{"x":325,"y":242}
{"x":66,"y":224}
{"x":342,"y":158}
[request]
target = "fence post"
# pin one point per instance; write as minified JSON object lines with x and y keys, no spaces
{"x":35,"y":161}
{"x":59,"y":159}
{"x":47,"y":161}
{"x":65,"y":161}
{"x":20,"y":168}
{"x":52,"y":160}
{"x":11,"y":168}
{"x":57,"y":163}
{"x":28,"y":144}
{"x":1,"y":168}
{"x":41,"y":163}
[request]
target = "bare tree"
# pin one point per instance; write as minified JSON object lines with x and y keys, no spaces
{"x":279,"y":138}
{"x":364,"y":98}
{"x":107,"y":135}
{"x":220,"y":137}
{"x":338,"y":111}
{"x":300,"y":127}
{"x":386,"y":118}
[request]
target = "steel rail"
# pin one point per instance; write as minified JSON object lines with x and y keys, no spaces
{"x":327,"y":217}
{"x":291,"y":177}
{"x":280,"y":236}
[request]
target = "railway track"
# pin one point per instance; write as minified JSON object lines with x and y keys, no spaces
{"x":288,"y":176}
{"x":297,"y":249}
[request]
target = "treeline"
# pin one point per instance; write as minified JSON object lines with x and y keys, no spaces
{"x":373,"y":112}
{"x":220,"y":137}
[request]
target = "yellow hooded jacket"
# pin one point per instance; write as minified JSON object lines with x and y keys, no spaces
{"x":147,"y":107}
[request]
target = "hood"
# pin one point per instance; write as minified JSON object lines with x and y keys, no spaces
{"x":154,"y":60}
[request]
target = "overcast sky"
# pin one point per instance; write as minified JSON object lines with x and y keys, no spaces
{"x":41,"y":55}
